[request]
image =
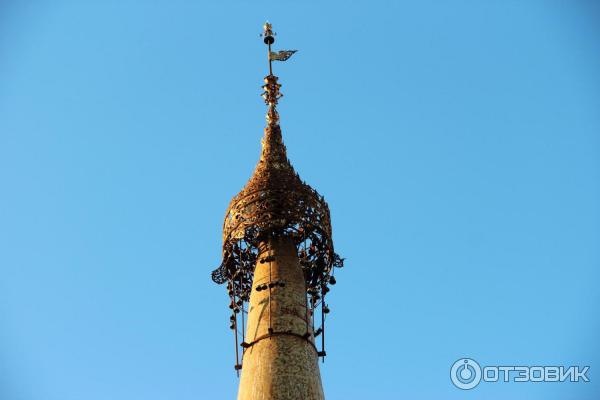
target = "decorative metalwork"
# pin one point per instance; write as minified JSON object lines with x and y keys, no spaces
{"x":282,"y":55}
{"x":276,"y":202}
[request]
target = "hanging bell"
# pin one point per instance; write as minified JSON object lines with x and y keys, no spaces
{"x":269,"y":39}
{"x":332,"y":280}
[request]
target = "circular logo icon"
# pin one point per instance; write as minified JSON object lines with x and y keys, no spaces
{"x":465,"y":373}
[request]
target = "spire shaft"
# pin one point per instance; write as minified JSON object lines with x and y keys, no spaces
{"x":270,"y":61}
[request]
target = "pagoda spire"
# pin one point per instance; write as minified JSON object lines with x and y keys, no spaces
{"x":278,"y":262}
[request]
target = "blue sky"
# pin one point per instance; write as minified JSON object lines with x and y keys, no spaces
{"x":456,"y":143}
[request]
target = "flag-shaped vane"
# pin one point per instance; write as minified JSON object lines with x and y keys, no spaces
{"x":282,"y":55}
{"x":269,"y":38}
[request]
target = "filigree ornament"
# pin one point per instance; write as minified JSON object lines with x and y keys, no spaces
{"x":275,"y":202}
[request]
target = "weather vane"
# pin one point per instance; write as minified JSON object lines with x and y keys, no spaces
{"x":269,"y":39}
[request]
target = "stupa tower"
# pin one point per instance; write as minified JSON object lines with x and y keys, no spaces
{"x":278,"y":263}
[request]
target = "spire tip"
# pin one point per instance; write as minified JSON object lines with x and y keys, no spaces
{"x":268,"y":34}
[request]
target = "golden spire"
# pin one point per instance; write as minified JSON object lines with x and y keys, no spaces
{"x":276,"y":203}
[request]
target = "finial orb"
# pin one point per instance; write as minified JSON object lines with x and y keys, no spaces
{"x":268,"y":33}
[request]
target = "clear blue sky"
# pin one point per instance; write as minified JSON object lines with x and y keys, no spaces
{"x":456,"y":142}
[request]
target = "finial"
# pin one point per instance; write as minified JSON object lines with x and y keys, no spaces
{"x":271,"y":92}
{"x":268,"y":33}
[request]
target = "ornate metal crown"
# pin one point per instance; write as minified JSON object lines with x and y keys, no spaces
{"x":275,"y":202}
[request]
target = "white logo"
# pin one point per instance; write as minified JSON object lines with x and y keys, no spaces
{"x":465,"y":373}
